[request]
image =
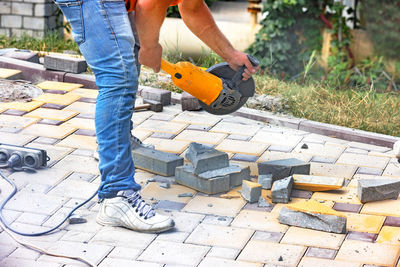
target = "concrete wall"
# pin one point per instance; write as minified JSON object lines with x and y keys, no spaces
{"x":33,"y":17}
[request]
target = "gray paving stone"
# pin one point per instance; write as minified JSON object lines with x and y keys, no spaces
{"x":67,"y":64}
{"x":115,"y":236}
{"x":219,"y":220}
{"x":377,"y":189}
{"x":155,"y":161}
{"x":283,"y":168}
{"x":225,"y":253}
{"x":13,"y":262}
{"x":370,"y":171}
{"x":265,"y":180}
{"x":185,"y":175}
{"x":251,"y":192}
{"x":159,"y":95}
{"x":189,"y":102}
{"x":281,"y":190}
{"x":205,"y":158}
{"x":321,"y":222}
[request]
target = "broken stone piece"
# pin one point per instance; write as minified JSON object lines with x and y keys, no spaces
{"x":186,"y":195}
{"x":164,"y":185}
{"x":316,"y":183}
{"x":205,"y":158}
{"x":280,"y":169}
{"x":378,"y":189}
{"x":265,"y":180}
{"x":251,"y":191}
{"x":262,"y":203}
{"x":76,"y":219}
{"x":281,"y":190}
{"x":313,"y":215}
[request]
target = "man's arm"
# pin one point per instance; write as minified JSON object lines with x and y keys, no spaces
{"x":149,"y":16}
{"x":199,"y":20}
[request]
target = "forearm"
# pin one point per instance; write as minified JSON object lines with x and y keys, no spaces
{"x":199,"y":20}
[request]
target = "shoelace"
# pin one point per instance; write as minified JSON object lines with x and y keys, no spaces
{"x":142,"y":207}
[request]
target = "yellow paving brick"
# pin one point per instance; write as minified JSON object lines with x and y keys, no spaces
{"x":79,"y":141}
{"x":141,"y":133}
{"x":364,"y":223}
{"x":7,"y":73}
{"x":215,"y":206}
{"x":384,"y":208}
{"x":201,"y":137}
{"x":307,"y":262}
{"x":389,"y":235}
{"x":259,"y":220}
{"x":16,"y":121}
{"x":252,"y":165}
{"x":168,"y":145}
{"x":51,"y":114}
{"x":65,"y":99}
{"x":162,"y":126}
{"x":153,"y":190}
{"x":312,"y":238}
{"x":392,"y":170}
{"x":52,"y":85}
{"x":51,"y":131}
{"x":277,"y":208}
{"x":334,"y":170}
{"x":82,"y":107}
{"x":272,"y":253}
{"x":317,"y":183}
{"x":235,"y":128}
{"x":369,"y":253}
{"x":211,"y":261}
{"x":197,"y":118}
{"x":242,"y":147}
{"x":313,"y":206}
{"x":363,"y":160}
{"x":272,"y":138}
{"x":273,"y":155}
{"x":88,"y":93}
{"x":80,"y":123}
{"x":345,"y":195}
{"x":15,"y":138}
{"x":332,"y":151}
{"x":25,"y":106}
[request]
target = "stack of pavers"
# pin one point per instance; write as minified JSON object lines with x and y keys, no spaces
{"x":209,"y":170}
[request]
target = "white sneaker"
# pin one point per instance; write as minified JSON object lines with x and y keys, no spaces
{"x":129,"y":210}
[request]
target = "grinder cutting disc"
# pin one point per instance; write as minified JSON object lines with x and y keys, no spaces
{"x":245,"y":88}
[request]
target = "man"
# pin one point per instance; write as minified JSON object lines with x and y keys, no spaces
{"x":105,"y":36}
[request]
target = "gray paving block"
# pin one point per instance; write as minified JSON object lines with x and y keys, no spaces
{"x":251,"y":192}
{"x":236,"y":174}
{"x":205,"y":158}
{"x":281,"y":190}
{"x":23,"y":55}
{"x":189,"y":102}
{"x":155,"y":161}
{"x":155,"y":94}
{"x":185,"y":175}
{"x":283,"y":168}
{"x":64,"y":63}
{"x":237,"y":178}
{"x":321,"y":222}
{"x":265,"y":180}
{"x":378,"y":189}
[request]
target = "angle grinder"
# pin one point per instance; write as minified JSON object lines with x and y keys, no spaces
{"x":219,"y":89}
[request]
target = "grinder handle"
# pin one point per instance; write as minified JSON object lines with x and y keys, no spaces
{"x":237,"y":78}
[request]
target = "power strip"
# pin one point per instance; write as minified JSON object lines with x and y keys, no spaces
{"x":19,"y":157}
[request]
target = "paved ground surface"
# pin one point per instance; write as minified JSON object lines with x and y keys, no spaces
{"x":210,"y":231}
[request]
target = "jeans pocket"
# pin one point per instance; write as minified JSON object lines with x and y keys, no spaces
{"x":72,"y":10}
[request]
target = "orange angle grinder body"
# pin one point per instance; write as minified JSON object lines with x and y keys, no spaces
{"x":219,"y":89}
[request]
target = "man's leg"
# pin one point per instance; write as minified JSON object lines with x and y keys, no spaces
{"x":103,"y":32}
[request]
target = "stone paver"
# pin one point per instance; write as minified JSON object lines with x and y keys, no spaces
{"x":259,"y":220}
{"x":63,"y":86}
{"x":235,"y":128}
{"x":306,"y":262}
{"x":51,"y":114}
{"x":153,"y":190}
{"x":51,"y":131}
{"x":79,"y":141}
{"x":363,"y":160}
{"x":242,"y":147}
{"x":210,"y":261}
{"x":197,"y":118}
{"x":217,"y":206}
{"x":162,"y":126}
{"x":81,"y":107}
{"x":201,"y":137}
{"x":10,"y":121}
{"x":25,"y":106}
{"x":58,"y":99}
{"x":15,"y":139}
{"x":364,"y":223}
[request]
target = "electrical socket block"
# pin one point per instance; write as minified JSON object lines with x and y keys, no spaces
{"x":30,"y":157}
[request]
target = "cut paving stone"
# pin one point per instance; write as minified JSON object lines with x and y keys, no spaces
{"x":67,"y":64}
{"x":185,"y":175}
{"x":206,"y":158}
{"x":251,"y":191}
{"x":281,"y":190}
{"x":283,"y":168}
{"x":317,"y":183}
{"x":370,"y":190}
{"x":235,"y":172}
{"x":159,"y":95}
{"x":189,"y":102}
{"x":155,"y":161}
{"x":313,"y":215}
{"x":265,"y":180}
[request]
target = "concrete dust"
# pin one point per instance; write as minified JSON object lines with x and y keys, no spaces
{"x":21,"y":91}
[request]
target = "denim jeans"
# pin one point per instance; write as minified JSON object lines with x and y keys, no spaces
{"x":103,"y":32}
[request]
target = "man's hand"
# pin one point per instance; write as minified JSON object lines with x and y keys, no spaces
{"x":151,"y":57}
{"x":238,"y":59}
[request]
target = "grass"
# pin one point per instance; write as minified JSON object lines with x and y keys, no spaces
{"x":313,"y":100}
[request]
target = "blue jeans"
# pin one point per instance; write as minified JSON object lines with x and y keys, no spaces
{"x":103,"y":32}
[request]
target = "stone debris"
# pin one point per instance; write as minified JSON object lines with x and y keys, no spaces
{"x":65,"y":63}
{"x":164,"y":185}
{"x":281,"y":190}
{"x":313,"y":215}
{"x":205,"y":158}
{"x":262,"y":203}
{"x":189,"y":102}
{"x":265,"y":180}
{"x":251,"y":192}
{"x":378,"y":189}
{"x":186,"y":195}
{"x":20,"y":91}
{"x":155,"y":161}
{"x":316,"y":183}
{"x":76,"y":219}
{"x":267,"y":102}
{"x":280,"y":169}
{"x":304,"y":146}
